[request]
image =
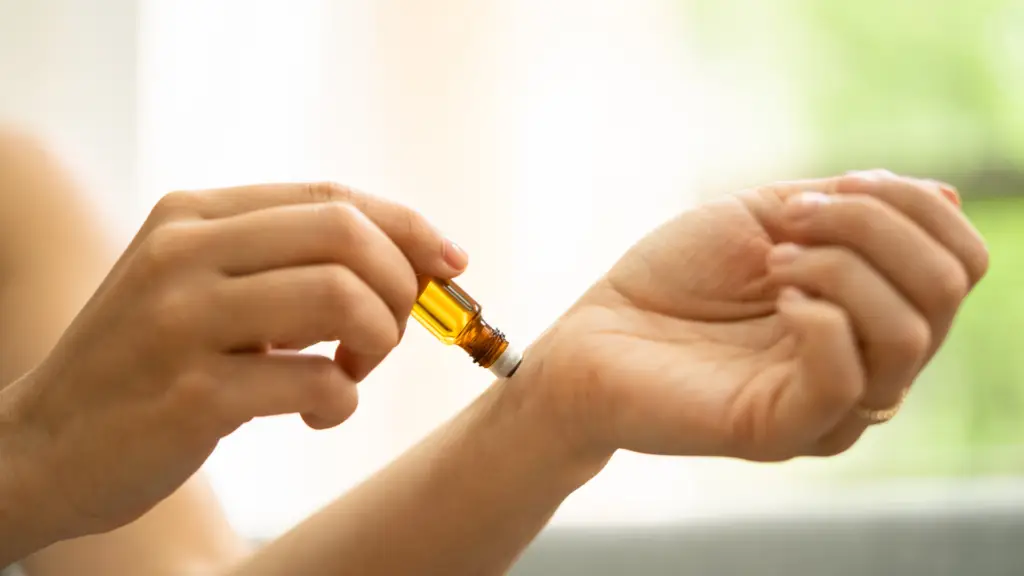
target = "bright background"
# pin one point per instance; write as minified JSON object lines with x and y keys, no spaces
{"x":546,"y":136}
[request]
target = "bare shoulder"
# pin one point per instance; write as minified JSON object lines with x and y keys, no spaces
{"x":39,"y":197}
{"x":30,"y":173}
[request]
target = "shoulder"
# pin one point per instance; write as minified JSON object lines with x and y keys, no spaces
{"x":29,"y":171}
{"x":39,"y":199}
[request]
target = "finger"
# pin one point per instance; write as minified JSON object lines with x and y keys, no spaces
{"x":426,"y":248}
{"x":301,"y":307}
{"x":308,"y":234}
{"x":894,"y":337}
{"x":927,"y":274}
{"x":357,"y":366}
{"x":932,"y":206}
{"x":255,"y":385}
{"x":828,"y":375}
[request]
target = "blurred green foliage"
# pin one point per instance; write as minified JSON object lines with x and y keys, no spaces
{"x":911,"y":85}
{"x":918,"y":84}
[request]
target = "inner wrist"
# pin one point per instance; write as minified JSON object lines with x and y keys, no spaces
{"x":27,"y":522}
{"x":548,"y":423}
{"x":21,"y":524}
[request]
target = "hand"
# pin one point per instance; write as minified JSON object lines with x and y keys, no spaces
{"x":195,"y":332}
{"x":756,"y":326}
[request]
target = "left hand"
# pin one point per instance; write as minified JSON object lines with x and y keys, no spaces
{"x":763,"y":325}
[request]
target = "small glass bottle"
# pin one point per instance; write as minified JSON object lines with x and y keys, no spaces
{"x":453,"y":317}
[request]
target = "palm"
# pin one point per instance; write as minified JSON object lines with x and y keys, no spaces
{"x":686,"y":322}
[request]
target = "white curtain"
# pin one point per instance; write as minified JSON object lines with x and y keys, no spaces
{"x":544,"y":136}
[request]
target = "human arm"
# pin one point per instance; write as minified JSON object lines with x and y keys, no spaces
{"x":186,"y":532}
{"x":53,"y":254}
{"x":690,"y":346}
{"x":466,"y":500}
{"x":667,"y":354}
{"x":67,"y":424}
{"x":445,"y":498}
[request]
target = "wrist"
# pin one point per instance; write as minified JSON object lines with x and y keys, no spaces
{"x":20,"y":533}
{"x":549,"y":424}
{"x":27,"y":523}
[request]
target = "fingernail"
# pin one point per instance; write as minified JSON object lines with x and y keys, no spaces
{"x":949,"y":192}
{"x":874,"y":175}
{"x":804,"y":205}
{"x":455,"y":256}
{"x":782,"y":254}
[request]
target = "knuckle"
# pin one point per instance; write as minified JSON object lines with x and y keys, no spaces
{"x":862,"y":181}
{"x":166,"y":247}
{"x":952,"y":286}
{"x":176,"y":204}
{"x":859,"y":213}
{"x":336,"y":288}
{"x":339,"y":221}
{"x":912,"y":337}
{"x":320,"y":192}
{"x":386,"y":336}
{"x":171,"y":313}
{"x":981,"y":262}
{"x":832,"y":268}
{"x":416,"y":227}
{"x":195,"y":392}
{"x":379,"y":333}
{"x":833,"y":318}
{"x":882,"y":174}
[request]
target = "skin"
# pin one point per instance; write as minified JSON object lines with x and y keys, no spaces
{"x":751,"y":327}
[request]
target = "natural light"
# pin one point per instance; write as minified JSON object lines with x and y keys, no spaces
{"x":544,"y":139}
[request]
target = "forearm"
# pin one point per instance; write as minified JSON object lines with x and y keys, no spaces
{"x":26,"y":522}
{"x":467,"y":500}
{"x":16,"y":541}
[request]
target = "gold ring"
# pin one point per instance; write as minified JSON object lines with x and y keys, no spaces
{"x":883,"y":415}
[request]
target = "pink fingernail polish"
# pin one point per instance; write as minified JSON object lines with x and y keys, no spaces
{"x":950,"y":193}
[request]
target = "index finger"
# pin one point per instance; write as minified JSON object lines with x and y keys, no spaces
{"x":924,"y":202}
{"x":928,"y":206}
{"x":427,"y":249}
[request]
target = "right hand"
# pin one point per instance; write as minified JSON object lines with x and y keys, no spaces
{"x":194,"y":333}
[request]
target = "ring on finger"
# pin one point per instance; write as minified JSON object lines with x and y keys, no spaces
{"x":883,"y":415}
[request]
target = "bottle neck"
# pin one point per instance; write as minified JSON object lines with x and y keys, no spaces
{"x":483,"y":342}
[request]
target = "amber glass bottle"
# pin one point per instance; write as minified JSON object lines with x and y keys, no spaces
{"x":455,"y":318}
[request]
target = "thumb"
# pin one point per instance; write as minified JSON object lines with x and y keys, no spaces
{"x":828,"y":376}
